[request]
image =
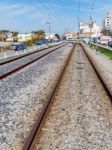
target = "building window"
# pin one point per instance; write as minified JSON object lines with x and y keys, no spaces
{"x":20,"y":37}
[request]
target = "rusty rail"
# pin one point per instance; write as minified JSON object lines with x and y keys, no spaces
{"x":25,"y":55}
{"x":38,"y":125}
{"x":10,"y":72}
{"x":101,"y":73}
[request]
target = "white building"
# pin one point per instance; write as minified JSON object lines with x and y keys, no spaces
{"x":108,"y":21}
{"x":24,"y":37}
{"x":52,"y":36}
{"x":9,"y":39}
{"x":85,"y":29}
{"x":70,"y":35}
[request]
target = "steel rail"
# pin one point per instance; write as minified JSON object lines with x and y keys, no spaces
{"x":27,"y":64}
{"x":25,"y":55}
{"x":99,"y":74}
{"x":38,"y":125}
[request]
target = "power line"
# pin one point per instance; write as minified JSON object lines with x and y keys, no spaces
{"x":49,"y":23}
{"x":91,"y":17}
{"x":93,"y":4}
{"x":36,"y":6}
{"x":78,"y":10}
{"x":78,"y":18}
{"x":41,"y":3}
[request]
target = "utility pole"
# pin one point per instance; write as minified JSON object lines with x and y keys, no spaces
{"x":49,"y":23}
{"x":97,"y":42}
{"x":90,"y":25}
{"x":78,"y":19}
{"x":91,"y":19}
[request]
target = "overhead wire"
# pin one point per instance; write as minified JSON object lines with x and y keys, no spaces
{"x":36,"y":6}
{"x":41,"y":3}
{"x":78,"y":16}
{"x":48,"y":21}
{"x":91,"y":17}
{"x":92,"y":9}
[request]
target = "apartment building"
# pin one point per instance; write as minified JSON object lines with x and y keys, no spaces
{"x":108,"y":21}
{"x":85,"y":29}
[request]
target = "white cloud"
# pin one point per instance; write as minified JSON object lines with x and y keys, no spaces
{"x":25,"y":17}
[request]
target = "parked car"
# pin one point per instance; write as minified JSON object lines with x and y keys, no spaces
{"x":104,"y":40}
{"x":110,"y":43}
{"x":18,"y":47}
{"x":45,"y":41}
{"x":23,"y":46}
{"x":41,"y":43}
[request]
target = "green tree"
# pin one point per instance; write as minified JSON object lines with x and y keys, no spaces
{"x":14,"y":33}
{"x":57,"y":36}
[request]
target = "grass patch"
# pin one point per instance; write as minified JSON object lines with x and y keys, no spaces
{"x":102,"y":50}
{"x":105,"y":51}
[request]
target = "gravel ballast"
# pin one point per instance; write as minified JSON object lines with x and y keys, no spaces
{"x":7,"y":56}
{"x":23,"y":95}
{"x":103,"y":65}
{"x":81,"y":116}
{"x":104,"y":60}
{"x":22,"y":61}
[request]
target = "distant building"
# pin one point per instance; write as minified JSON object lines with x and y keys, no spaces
{"x":9,"y":39}
{"x":70,"y":35}
{"x":107,"y":24}
{"x":85,"y":29}
{"x":88,"y":30}
{"x":24,"y":37}
{"x":52,"y":36}
{"x":12,"y":39}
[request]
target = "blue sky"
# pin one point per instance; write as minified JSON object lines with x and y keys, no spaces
{"x":28,"y":15}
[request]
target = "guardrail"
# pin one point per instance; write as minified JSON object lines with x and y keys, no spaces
{"x":102,"y":46}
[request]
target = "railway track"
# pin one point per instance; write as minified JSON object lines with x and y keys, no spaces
{"x":6,"y":61}
{"x":101,"y":73}
{"x":46,"y":107}
{"x":30,"y":142}
{"x":12,"y":66}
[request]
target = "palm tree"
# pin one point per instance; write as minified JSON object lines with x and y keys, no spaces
{"x":14,"y":35}
{"x":3,"y":35}
{"x":39,"y":34}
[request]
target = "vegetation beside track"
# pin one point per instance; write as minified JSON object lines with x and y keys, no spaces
{"x":102,"y":50}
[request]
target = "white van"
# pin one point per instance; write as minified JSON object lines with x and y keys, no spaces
{"x":104,"y":40}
